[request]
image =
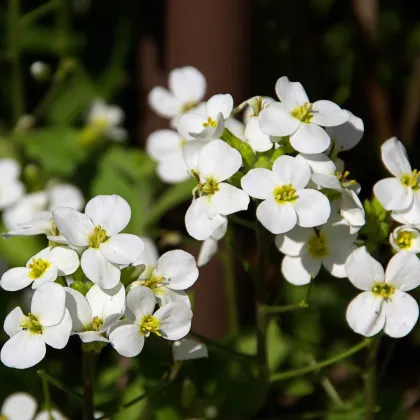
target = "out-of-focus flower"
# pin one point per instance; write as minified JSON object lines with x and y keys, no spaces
{"x":18,"y":406}
{"x":40,"y":71}
{"x":11,"y":188}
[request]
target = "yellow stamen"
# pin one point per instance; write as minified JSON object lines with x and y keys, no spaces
{"x":383,"y":290}
{"x":31,"y":324}
{"x":411,"y":180}
{"x":38,"y":267}
{"x":404,"y":239}
{"x":210,"y":123}
{"x":150,"y":324}
{"x":97,"y":237}
{"x":318,"y":247}
{"x":285,"y":193}
{"x":303,"y":113}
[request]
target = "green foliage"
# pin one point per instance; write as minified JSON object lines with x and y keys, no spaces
{"x":242,"y":147}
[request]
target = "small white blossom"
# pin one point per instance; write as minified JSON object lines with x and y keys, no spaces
{"x":172,"y":321}
{"x":286,"y":201}
{"x":41,"y":268}
{"x":97,"y":231}
{"x":18,"y":406}
{"x":405,"y":238}
{"x":187,"y":349}
{"x":210,"y":246}
{"x":11,"y":188}
{"x":296,"y":117}
{"x":384,"y":303}
{"x":50,"y":415}
{"x":96,"y":313}
{"x":40,"y":71}
{"x":48,"y":322}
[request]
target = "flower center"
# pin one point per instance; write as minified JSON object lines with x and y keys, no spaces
{"x":383,"y":290}
{"x":31,"y":324}
{"x":153,"y":282}
{"x":285,"y":193}
{"x":38,"y":267}
{"x":303,"y":113}
{"x":411,"y":180}
{"x":3,"y":417}
{"x":97,"y":324}
{"x":97,"y":237}
{"x":149,"y":324}
{"x":318,"y":247}
{"x":343,"y":178}
{"x":210,"y":123}
{"x":188,"y":106}
{"x":403,"y":239}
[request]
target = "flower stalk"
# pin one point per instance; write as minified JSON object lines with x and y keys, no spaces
{"x":370,"y":378}
{"x":88,"y":382}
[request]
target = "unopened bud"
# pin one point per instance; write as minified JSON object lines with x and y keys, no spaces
{"x":40,"y":71}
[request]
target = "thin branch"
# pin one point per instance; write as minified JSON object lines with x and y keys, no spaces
{"x":55,"y":382}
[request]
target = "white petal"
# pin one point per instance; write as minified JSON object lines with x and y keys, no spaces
{"x":414,"y":246}
{"x":173,"y":169}
{"x":50,"y":415}
{"x":111,"y":212}
{"x":91,"y":336}
{"x":187,"y":349}
{"x":411,"y":215}
{"x":11,"y":191}
{"x":23,"y":350}
{"x":220,"y":232}
{"x":259,"y":141}
{"x":352,"y":209}
{"x":73,"y":225}
{"x":327,"y":181}
{"x":236,"y":127}
{"x":65,"y":195}
{"x":15,"y":279}
{"x":294,"y":242}
{"x":199,"y":220}
{"x":276,"y":120}
{"x":395,"y":158}
{"x":12,"y":322}
{"x":163,"y":102}
{"x":191,"y":153}
{"x":401,"y":312}
{"x":9,"y":169}
{"x":174,"y":320}
{"x":291,"y":93}
{"x":220,"y":103}
{"x":127,"y":340}
{"x":300,"y":270}
{"x":141,"y":301}
{"x":392,"y":194}
{"x":363,"y":270}
{"x":66,"y":260}
{"x":260,"y":183}
{"x":365,"y":314}
{"x":122,"y":248}
{"x":312,"y":208}
{"x":310,"y":138}
{"x":165,"y":296}
{"x":163,"y":143}
{"x":229,"y":199}
{"x":79,"y":309}
{"x":328,"y":114}
{"x":104,"y":303}
{"x":187,"y":84}
{"x":19,"y":406}
{"x":58,"y":335}
{"x":191,"y":122}
{"x":403,"y":271}
{"x":179,"y":268}
{"x":208,"y":249}
{"x":48,"y":304}
{"x":275,"y":217}
{"x":99,"y":270}
{"x":148,"y":258}
{"x":290,"y":170}
{"x":335,"y":262}
{"x":319,"y":162}
{"x":40,"y":223}
{"x":347,"y":135}
{"x":218,"y":160}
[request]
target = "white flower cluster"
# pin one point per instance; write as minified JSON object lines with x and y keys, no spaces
{"x":92,"y":240}
{"x":284,"y":155}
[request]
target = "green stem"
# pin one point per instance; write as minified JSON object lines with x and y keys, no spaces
{"x":332,"y":392}
{"x":63,"y":26}
{"x":18,"y":105}
{"x":242,"y":222}
{"x":274,"y":310}
{"x":38,"y":13}
{"x":47,"y":397}
{"x":244,"y":263}
{"x":55,"y":382}
{"x":281,"y":376}
{"x":88,"y":381}
{"x":370,"y":378}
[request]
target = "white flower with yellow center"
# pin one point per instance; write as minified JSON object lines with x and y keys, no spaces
{"x":405,"y":238}
{"x":172,"y":321}
{"x":401,"y":193}
{"x":48,"y":322}
{"x":97,"y":230}
{"x":306,"y":250}
{"x":96,"y":313}
{"x":210,"y":246}
{"x":18,"y":406}
{"x":206,"y":122}
{"x":384,"y":303}
{"x":286,"y":201}
{"x":11,"y":188}
{"x":300,"y":119}
{"x":348,"y":135}
{"x":167,"y":148}
{"x":43,"y":267}
{"x":187,"y":87}
{"x":217,"y":161}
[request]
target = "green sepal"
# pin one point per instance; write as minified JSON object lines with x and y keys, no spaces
{"x":242,"y":147}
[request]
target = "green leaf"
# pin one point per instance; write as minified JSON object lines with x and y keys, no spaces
{"x":242,"y":147}
{"x":299,"y":388}
{"x":278,"y":348}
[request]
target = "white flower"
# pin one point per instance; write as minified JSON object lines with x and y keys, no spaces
{"x":286,"y":202}
{"x":18,"y":406}
{"x":11,"y":188}
{"x":187,"y":349}
{"x":236,"y":127}
{"x":48,"y":322}
{"x":64,"y":195}
{"x":43,"y":267}
{"x":296,"y":117}
{"x":175,"y":272}
{"x":217,"y":162}
{"x":210,"y":246}
{"x":402,"y":192}
{"x":41,"y":223}
{"x":255,"y":105}
{"x":94,"y":314}
{"x":50,"y":415}
{"x":187,"y":87}
{"x":307,"y":249}
{"x":107,"y":119}
{"x":405,"y":238}
{"x":172,"y":321}
{"x":98,"y":230}
{"x":40,"y":71}
{"x":346,"y":136}
{"x":207,"y":122}
{"x":384,"y":303}
{"x":167,"y":148}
